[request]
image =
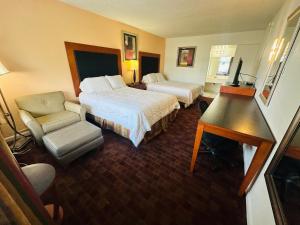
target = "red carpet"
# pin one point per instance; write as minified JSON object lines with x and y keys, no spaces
{"x":151,"y":185}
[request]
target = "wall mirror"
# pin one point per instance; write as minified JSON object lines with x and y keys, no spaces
{"x":279,"y":53}
{"x":283,"y":177}
{"x":220,"y":62}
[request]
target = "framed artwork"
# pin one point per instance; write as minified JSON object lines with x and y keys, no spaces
{"x":186,"y":56}
{"x":130,"y":46}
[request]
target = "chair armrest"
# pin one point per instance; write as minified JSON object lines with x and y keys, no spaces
{"x":76,"y":108}
{"x":33,"y":125}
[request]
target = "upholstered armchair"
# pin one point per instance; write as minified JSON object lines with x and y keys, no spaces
{"x":45,"y":113}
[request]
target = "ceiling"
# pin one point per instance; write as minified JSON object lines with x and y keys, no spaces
{"x":175,"y":18}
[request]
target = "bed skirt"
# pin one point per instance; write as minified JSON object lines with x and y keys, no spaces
{"x":156,"y":128}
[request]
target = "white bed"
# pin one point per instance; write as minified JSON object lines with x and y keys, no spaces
{"x":185,"y":92}
{"x":137,"y":110}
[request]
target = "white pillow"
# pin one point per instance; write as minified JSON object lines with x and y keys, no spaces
{"x":152,"y":78}
{"x":160,"y":77}
{"x":116,"y":81}
{"x":95,"y":85}
{"x":146,"y":79}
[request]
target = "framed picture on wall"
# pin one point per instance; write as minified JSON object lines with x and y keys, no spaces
{"x":130,"y":46}
{"x":186,"y":56}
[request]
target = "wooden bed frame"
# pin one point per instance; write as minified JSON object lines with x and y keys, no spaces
{"x":95,"y":61}
{"x":155,"y":64}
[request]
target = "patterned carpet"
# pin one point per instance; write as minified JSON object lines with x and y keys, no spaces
{"x":152,"y":185}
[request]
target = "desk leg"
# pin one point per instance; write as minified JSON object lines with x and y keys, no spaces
{"x":256,"y":165}
{"x":198,"y":138}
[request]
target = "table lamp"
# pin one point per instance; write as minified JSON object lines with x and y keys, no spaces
{"x":132,"y":66}
{"x":7,"y":116}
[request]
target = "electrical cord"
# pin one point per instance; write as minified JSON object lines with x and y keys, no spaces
{"x":246,"y":74}
{"x":12,"y":125}
{"x":22,"y":152}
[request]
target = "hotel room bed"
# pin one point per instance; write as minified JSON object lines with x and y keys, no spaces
{"x":128,"y":117}
{"x":132,"y":113}
{"x":186,"y":93}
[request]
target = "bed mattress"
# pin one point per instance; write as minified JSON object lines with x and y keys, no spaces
{"x":137,"y":110}
{"x":185,"y":92}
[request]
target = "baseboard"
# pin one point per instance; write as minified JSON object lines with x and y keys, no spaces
{"x":11,"y":138}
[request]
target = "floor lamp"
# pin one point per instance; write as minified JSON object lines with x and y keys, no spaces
{"x":9,"y":119}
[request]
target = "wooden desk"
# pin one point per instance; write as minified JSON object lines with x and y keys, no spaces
{"x":240,"y":90}
{"x":238,"y":118}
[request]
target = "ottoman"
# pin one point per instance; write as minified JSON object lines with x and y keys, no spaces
{"x":69,"y":143}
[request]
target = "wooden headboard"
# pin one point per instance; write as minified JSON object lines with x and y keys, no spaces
{"x":148,"y":63}
{"x":92,"y":61}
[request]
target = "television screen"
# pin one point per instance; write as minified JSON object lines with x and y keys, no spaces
{"x":235,"y":82}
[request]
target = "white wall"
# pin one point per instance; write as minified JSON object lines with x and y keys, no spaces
{"x":279,"y":113}
{"x":32,"y":36}
{"x":249,"y":45}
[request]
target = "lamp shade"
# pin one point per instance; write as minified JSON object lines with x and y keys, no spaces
{"x":132,"y":64}
{"x":3,"y":69}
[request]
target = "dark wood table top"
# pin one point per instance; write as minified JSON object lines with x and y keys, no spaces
{"x":239,"y":114}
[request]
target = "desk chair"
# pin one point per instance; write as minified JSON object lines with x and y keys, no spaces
{"x":218,"y":147}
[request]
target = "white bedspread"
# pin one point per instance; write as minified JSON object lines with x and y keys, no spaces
{"x":134,"y":109}
{"x":185,"y":92}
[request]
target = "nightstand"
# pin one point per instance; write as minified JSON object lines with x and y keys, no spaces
{"x":138,"y":85}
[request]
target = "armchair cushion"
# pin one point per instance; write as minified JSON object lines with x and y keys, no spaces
{"x":76,"y":108}
{"x":58,"y":120}
{"x":42,"y":104}
{"x":33,"y":125}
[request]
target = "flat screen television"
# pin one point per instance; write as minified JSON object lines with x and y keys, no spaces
{"x":235,"y":82}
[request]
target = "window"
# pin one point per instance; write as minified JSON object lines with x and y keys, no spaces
{"x":224,"y":65}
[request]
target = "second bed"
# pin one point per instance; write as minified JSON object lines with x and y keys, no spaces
{"x":186,"y":93}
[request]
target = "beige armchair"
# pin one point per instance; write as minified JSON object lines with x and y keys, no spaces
{"x":44,"y":113}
